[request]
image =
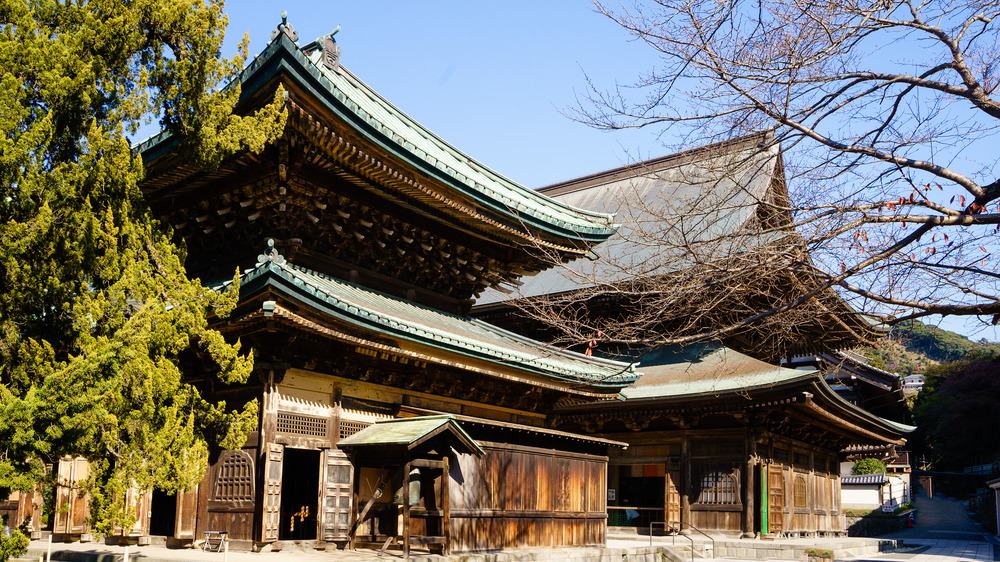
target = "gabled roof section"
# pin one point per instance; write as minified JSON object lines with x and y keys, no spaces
{"x":409,"y":433}
{"x":707,"y":200}
{"x":431,"y":332}
{"x":393,"y":132}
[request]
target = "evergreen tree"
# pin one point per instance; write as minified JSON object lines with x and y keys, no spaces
{"x":95,"y":305}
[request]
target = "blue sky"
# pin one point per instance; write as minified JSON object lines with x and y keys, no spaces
{"x":492,"y":78}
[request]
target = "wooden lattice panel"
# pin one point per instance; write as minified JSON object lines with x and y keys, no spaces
{"x":234,"y":479}
{"x":350,"y":427}
{"x":298,"y":424}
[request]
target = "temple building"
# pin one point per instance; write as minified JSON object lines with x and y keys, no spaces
{"x":721,"y":438}
{"x":391,"y":416}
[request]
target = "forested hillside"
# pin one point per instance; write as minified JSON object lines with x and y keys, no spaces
{"x":914,"y":346}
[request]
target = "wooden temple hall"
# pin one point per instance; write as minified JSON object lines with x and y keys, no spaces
{"x":389,"y":415}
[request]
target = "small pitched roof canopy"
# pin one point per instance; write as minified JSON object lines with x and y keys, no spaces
{"x":403,"y":436}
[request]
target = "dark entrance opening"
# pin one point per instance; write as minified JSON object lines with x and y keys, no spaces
{"x":299,"y":495}
{"x":163,"y":513}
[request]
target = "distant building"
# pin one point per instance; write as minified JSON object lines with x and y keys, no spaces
{"x":912,"y":384}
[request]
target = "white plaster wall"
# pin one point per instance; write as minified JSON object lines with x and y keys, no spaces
{"x":860,"y":495}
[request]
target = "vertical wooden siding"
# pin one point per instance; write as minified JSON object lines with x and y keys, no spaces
{"x":521,"y":497}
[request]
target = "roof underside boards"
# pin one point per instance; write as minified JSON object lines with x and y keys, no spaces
{"x":410,"y":323}
{"x":382,"y":124}
{"x":409,"y":433}
{"x":704,"y":370}
{"x":668,"y":211}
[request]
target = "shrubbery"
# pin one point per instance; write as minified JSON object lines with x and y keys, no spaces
{"x":868,"y":466}
{"x":14,"y":546}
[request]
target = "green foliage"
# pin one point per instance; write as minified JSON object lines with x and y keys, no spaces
{"x":97,"y":307}
{"x":14,"y":546}
{"x":957,"y":410}
{"x":904,"y":507}
{"x":937,"y":344}
{"x":868,"y":466}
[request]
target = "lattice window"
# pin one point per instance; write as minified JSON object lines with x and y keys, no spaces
{"x":298,"y":424}
{"x":800,"y":491}
{"x":718,"y":488}
{"x":350,"y":427}
{"x":234,"y":478}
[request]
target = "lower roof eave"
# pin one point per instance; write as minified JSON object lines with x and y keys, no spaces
{"x":282,"y":314}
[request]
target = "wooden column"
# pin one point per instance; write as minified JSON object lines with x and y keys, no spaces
{"x":749,"y":505}
{"x":445,"y":525}
{"x":406,"y":510}
{"x":268,"y":420}
{"x":685,"y":479}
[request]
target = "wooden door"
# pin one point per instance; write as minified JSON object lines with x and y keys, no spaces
{"x":139,"y":504}
{"x":187,"y":514}
{"x":775,"y":498}
{"x":337,"y":483}
{"x":272,"y":492}
{"x":71,"y":502}
{"x":672,"y":501}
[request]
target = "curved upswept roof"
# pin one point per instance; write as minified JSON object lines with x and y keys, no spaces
{"x":406,"y":322}
{"x":378,"y":121}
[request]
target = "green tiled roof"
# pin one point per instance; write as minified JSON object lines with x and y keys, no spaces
{"x":391,"y":128}
{"x":414,"y":138}
{"x":400,"y":319}
{"x":404,"y":432}
{"x":704,"y":369}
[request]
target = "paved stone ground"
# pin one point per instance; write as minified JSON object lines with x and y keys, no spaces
{"x":943,"y":532}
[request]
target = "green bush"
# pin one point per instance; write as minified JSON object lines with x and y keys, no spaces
{"x":868,"y":466}
{"x":13,"y":547}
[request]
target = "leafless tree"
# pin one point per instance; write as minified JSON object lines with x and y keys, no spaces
{"x":887,"y":119}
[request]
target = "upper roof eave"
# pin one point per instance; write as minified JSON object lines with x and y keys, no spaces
{"x":519,"y":205}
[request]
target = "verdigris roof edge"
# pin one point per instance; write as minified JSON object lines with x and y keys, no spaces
{"x":545,"y":213}
{"x":596,"y":372}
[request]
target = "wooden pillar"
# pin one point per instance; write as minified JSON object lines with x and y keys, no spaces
{"x":749,"y":505}
{"x":268,"y":427}
{"x":445,"y":523}
{"x":685,"y":479}
{"x":406,"y":510}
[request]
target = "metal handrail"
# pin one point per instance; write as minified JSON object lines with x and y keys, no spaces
{"x":670,"y":526}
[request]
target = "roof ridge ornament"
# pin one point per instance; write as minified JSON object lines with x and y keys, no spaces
{"x":331,"y":52}
{"x":270,"y":255}
{"x":285,"y":28}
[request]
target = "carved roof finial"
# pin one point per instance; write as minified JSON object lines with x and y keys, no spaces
{"x":285,"y":28}
{"x":270,"y":255}
{"x":331,"y":52}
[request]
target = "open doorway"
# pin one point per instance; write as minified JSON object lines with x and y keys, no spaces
{"x":299,"y":495}
{"x":163,"y":513}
